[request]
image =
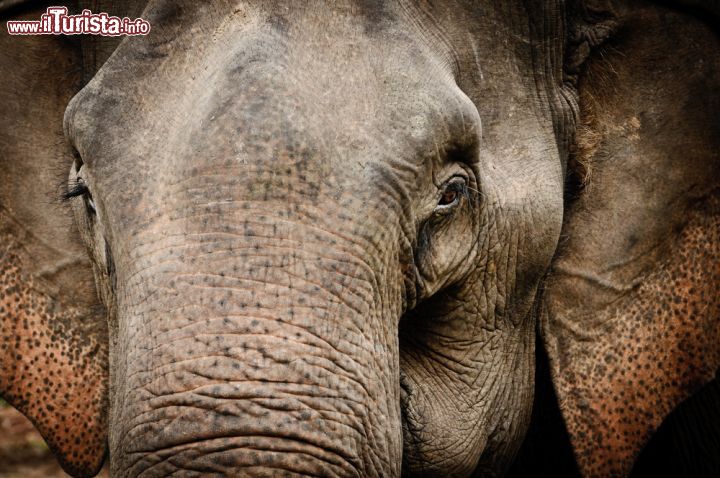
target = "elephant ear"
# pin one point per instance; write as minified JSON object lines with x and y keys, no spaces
{"x":631,"y":308}
{"x":53,"y":333}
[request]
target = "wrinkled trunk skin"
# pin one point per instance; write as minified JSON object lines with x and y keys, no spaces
{"x":251,"y":357}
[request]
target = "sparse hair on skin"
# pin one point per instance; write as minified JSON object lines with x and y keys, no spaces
{"x":589,"y":132}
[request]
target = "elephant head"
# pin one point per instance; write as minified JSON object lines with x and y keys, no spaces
{"x":317,"y":234}
{"x":311,"y":237}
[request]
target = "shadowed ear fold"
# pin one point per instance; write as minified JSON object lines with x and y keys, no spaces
{"x":631,"y":308}
{"x":53,"y":337}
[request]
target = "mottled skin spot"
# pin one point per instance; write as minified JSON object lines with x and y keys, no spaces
{"x":632,"y":304}
{"x":49,"y":373}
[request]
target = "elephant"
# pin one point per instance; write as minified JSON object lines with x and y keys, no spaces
{"x":277,"y":238}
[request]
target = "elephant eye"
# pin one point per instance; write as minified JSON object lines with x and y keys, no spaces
{"x":448,"y":197}
{"x":80,"y":189}
{"x":451,"y":194}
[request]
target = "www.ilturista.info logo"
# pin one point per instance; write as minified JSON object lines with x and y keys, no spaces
{"x":56,"y":21}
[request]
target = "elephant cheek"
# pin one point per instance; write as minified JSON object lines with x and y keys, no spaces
{"x":227,"y":371}
{"x":454,"y":427}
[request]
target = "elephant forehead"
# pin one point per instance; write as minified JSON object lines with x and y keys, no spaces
{"x":222,"y":93}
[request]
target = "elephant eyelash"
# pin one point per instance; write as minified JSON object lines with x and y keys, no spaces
{"x":76,"y":190}
{"x":472,"y":196}
{"x":80,"y":189}
{"x":462,"y":189}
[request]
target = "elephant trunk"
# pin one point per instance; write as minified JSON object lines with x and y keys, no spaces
{"x":251,"y":356}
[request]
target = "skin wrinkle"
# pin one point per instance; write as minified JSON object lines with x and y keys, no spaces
{"x":266,"y":470}
{"x":357,"y":256}
{"x":318,"y":455}
{"x":266,"y":407}
{"x":194,"y":401}
{"x":176,"y":363}
{"x":263,"y":401}
{"x":255,"y":280}
{"x":278,"y":433}
{"x":348,"y":261}
{"x":268,"y":318}
{"x":218,"y":334}
{"x":254,"y":316}
{"x":432,"y":35}
{"x":319,"y":285}
{"x":329,"y":232}
{"x":179,"y":362}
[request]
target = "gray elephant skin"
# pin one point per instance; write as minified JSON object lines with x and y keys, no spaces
{"x":320,"y":238}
